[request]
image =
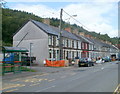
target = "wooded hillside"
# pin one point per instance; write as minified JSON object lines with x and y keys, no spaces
{"x":12,"y":20}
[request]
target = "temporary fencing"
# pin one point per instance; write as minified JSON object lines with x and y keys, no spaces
{"x":59,"y":63}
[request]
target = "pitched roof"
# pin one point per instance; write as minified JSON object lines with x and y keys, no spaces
{"x":46,"y":28}
{"x":82,"y":39}
{"x":54,"y":30}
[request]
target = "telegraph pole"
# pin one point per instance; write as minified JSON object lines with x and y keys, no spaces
{"x":60,"y":40}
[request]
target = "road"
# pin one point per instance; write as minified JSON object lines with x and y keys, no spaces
{"x":99,"y":78}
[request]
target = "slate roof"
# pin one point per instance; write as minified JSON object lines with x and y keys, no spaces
{"x":95,"y":41}
{"x":86,"y":39}
{"x":54,"y":30}
{"x":46,"y":28}
{"x":82,"y":39}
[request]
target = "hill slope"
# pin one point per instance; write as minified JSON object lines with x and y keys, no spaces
{"x":12,"y":20}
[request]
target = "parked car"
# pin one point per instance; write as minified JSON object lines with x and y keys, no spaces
{"x":100,"y":61}
{"x":85,"y":62}
{"x":106,"y":59}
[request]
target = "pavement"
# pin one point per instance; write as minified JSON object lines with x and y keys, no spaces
{"x":99,"y":78}
{"x":39,"y":70}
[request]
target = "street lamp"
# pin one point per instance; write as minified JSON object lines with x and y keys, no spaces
{"x":30,"y":54}
{"x":69,"y":18}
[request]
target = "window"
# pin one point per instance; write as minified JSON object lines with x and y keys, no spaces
{"x":52,"y":39}
{"x":49,"y":39}
{"x":79,"y":45}
{"x":86,"y":46}
{"x":72,"y":44}
{"x":54,"y":53}
{"x":57,"y":54}
{"x":57,"y":41}
{"x":67,"y":42}
{"x":73,"y":54}
{"x":50,"y":53}
{"x":82,"y":45}
{"x":75,"y":44}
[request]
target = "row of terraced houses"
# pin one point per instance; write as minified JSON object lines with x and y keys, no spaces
{"x":45,"y":42}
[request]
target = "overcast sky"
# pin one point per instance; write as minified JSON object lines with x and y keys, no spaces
{"x":100,"y":16}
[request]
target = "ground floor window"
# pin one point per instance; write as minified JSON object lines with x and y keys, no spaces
{"x":54,"y":53}
{"x":73,"y":54}
{"x":50,"y":53}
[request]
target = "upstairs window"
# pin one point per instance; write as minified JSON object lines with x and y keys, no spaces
{"x":50,"y":40}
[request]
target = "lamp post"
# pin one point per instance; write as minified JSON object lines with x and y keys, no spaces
{"x":70,"y":17}
{"x":30,"y":54}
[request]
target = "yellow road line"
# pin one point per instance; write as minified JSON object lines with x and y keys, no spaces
{"x":44,"y":74}
{"x":13,"y":86}
{"x":117,"y":90}
{"x":45,"y":79}
{"x":51,"y":80}
{"x":11,"y":90}
{"x":15,"y":79}
{"x":34,"y":84}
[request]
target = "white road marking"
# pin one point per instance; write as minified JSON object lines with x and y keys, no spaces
{"x":63,"y":77}
{"x":45,"y":88}
{"x":75,"y":79}
{"x":51,"y":80}
{"x":102,"y":68}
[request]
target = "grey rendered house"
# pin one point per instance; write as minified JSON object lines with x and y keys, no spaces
{"x":103,"y":49}
{"x":45,"y":41}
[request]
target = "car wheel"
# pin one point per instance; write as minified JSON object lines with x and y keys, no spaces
{"x":89,"y":65}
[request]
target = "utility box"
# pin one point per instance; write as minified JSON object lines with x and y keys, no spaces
{"x":66,"y":63}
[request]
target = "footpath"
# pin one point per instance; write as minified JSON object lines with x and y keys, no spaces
{"x":41,"y":70}
{"x":38,"y":69}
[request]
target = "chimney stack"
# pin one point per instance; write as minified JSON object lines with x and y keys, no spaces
{"x":75,"y":31}
{"x":68,"y":29}
{"x":88,"y":36}
{"x":46,"y":21}
{"x":82,"y":33}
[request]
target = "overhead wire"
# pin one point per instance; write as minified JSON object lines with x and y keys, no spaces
{"x":75,"y":19}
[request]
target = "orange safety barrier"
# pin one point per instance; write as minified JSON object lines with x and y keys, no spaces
{"x":1,"y":62}
{"x":10,"y":61}
{"x":59,"y":63}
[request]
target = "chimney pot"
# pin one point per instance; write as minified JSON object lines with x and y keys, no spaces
{"x":46,"y":21}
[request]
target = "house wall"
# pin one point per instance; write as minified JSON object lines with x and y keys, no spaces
{"x":36,"y":36}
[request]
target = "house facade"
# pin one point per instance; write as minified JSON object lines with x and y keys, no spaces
{"x":45,"y":43}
